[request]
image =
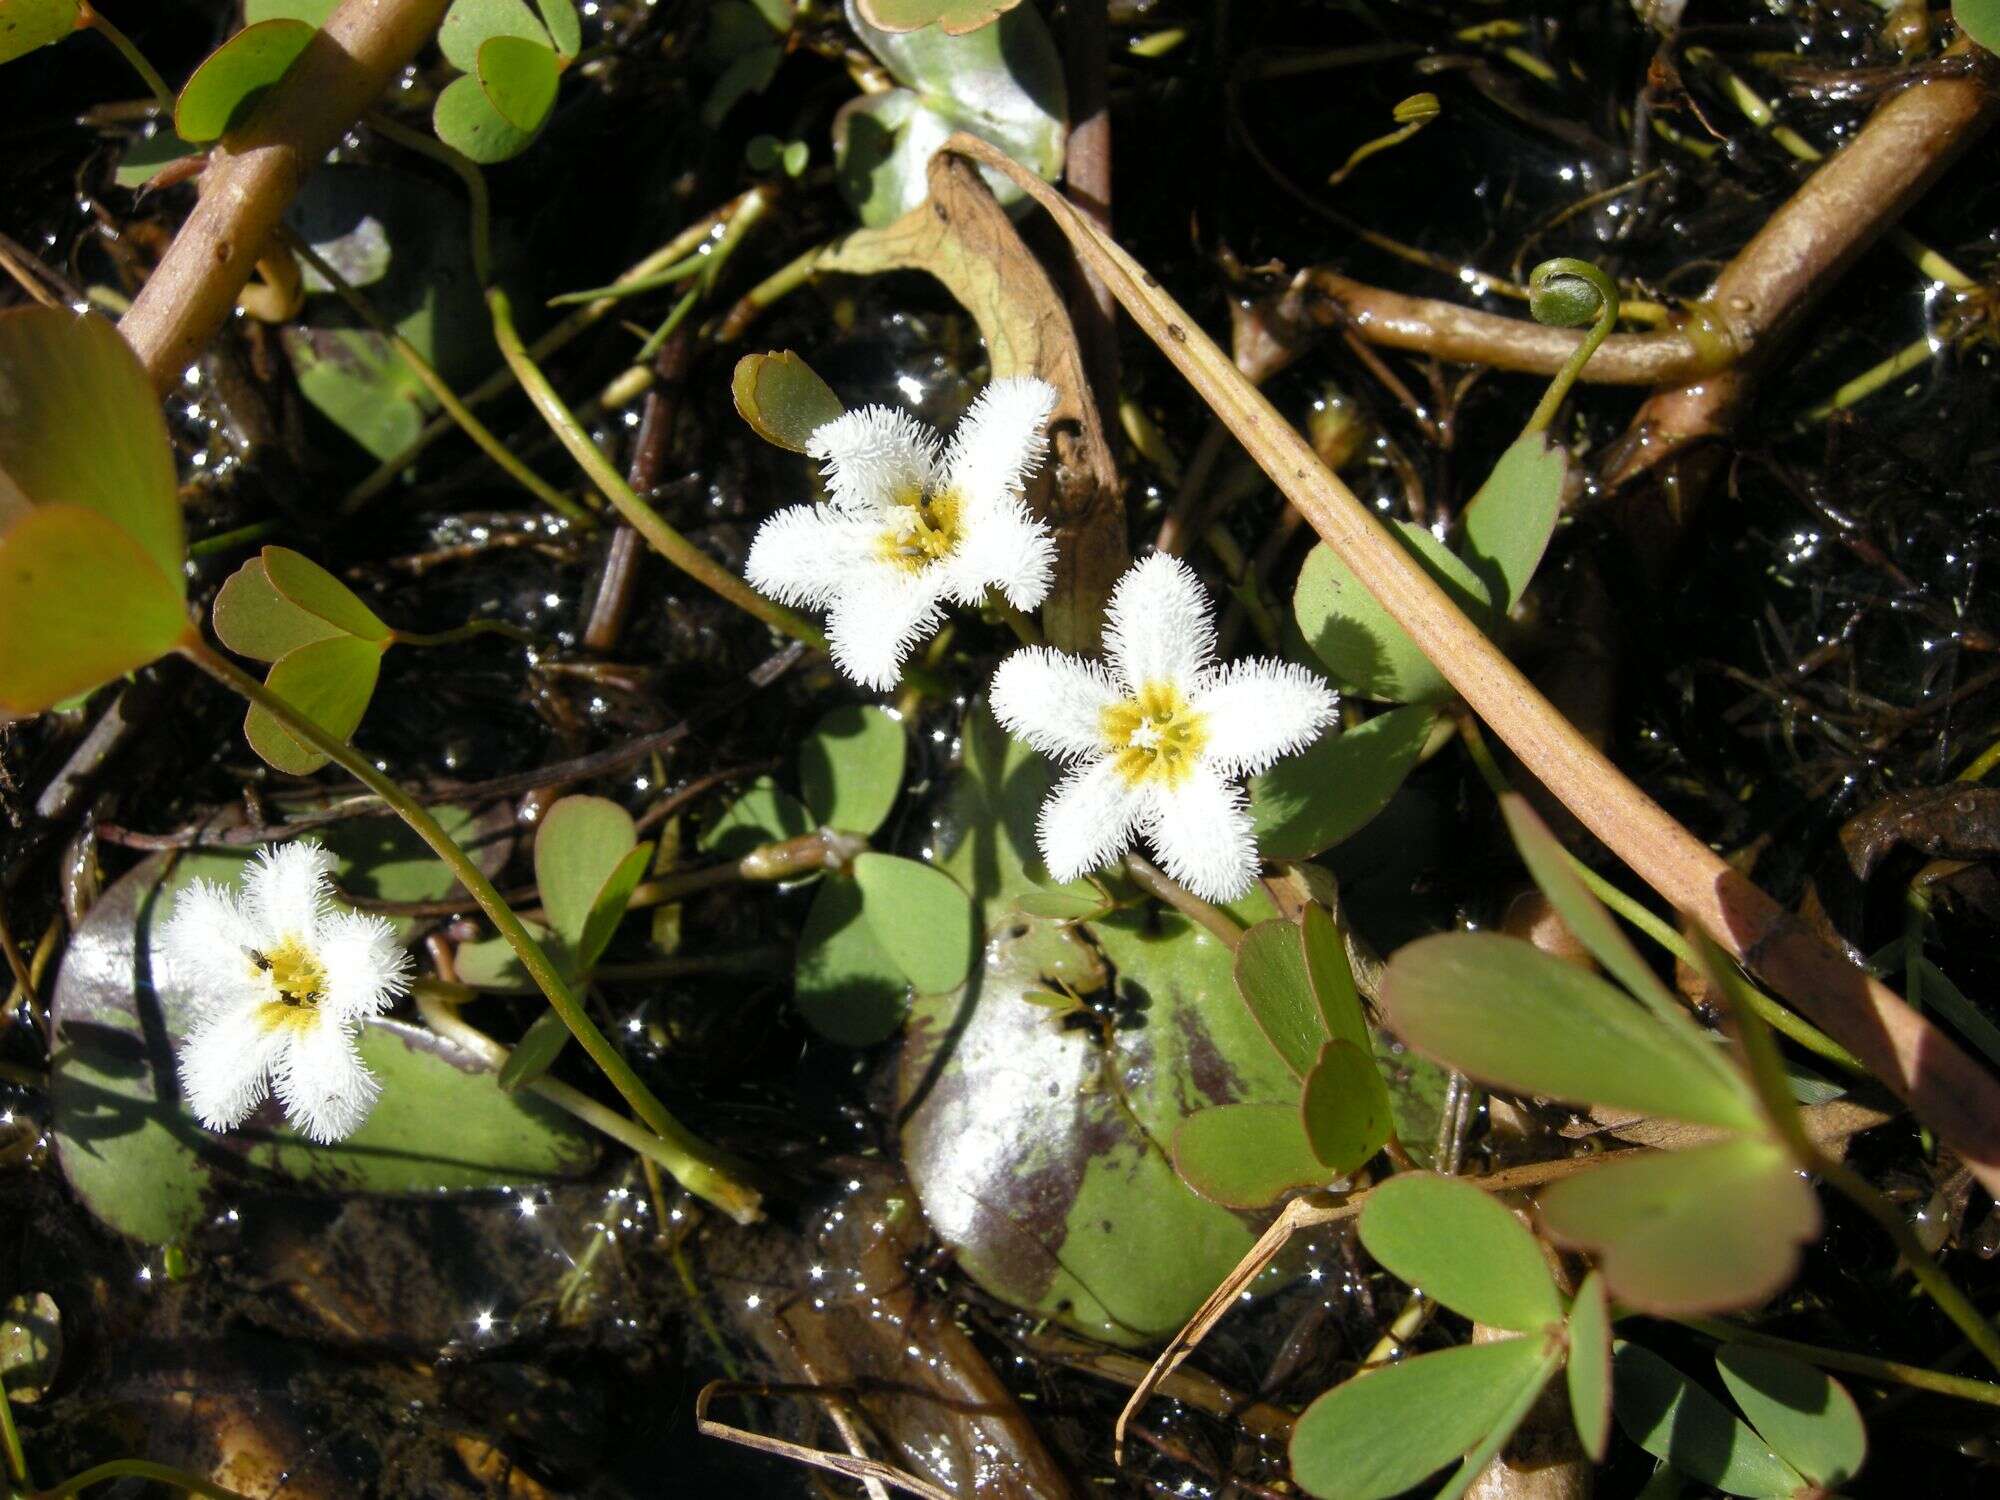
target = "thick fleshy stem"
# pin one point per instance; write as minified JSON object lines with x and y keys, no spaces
{"x":696,"y":1165}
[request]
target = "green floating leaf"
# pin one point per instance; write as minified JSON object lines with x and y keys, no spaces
{"x":1246,"y":1155}
{"x":253,"y":619}
{"x":1079,"y":901}
{"x":470,"y":24}
{"x":328,"y":683}
{"x":1362,"y":648}
{"x":782,"y":399}
{"x":309,"y":586}
{"x":1806,"y":1415}
{"x":582,"y":842}
{"x":1387,"y":1429}
{"x":565,"y":30}
{"x":1344,"y":1107}
{"x":985,"y":835}
{"x":953,"y":17}
{"x":1674,"y":1419}
{"x":354,"y":378}
{"x":851,"y":768}
{"x":1271,"y":977}
{"x":1508,"y":1014}
{"x":1589,"y":1366}
{"x":234,"y":76}
{"x":921,"y":917}
{"x":764,"y":814}
{"x":520,"y":79}
{"x":1307,"y":803}
{"x":847,"y":987}
{"x":1507,"y":525}
{"x":1978,"y":19}
{"x":1417,"y":1091}
{"x":141,"y":1162}
{"x":492,"y":964}
{"x":1462,"y":1247}
{"x":1708,"y":1229}
{"x":465,"y":120}
{"x":28,"y":24}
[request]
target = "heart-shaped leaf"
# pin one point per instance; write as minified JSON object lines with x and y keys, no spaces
{"x":234,"y":76}
{"x":309,"y":586}
{"x":847,"y":986}
{"x":328,"y":683}
{"x":520,"y":79}
{"x":764,"y":814}
{"x":921,"y":917}
{"x":1674,"y":1419}
{"x":1462,"y":1247}
{"x":954,"y":17}
{"x":470,"y":24}
{"x":1709,"y":1229}
{"x":1387,"y":1429}
{"x":1805,"y":1415}
{"x":851,"y":768}
{"x":1589,"y":1366}
{"x":565,"y":30}
{"x":782,"y":399}
{"x":1272,"y":979}
{"x":581,"y":843}
{"x":1362,"y":648}
{"x":1508,"y":1014}
{"x":1344,"y":1107}
{"x":465,"y":120}
{"x":1246,"y":1155}
{"x":28,"y":24}
{"x":1507,"y":525}
{"x":1307,"y":803}
{"x":253,"y":619}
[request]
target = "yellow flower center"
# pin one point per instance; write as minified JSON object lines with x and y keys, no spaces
{"x":1155,"y":736}
{"x":924,"y":526}
{"x":296,"y":980}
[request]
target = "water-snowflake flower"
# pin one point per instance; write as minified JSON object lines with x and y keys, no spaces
{"x":281,"y":980}
{"x":1159,"y":736}
{"x":910,"y":526}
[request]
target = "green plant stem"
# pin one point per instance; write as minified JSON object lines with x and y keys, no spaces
{"x":1156,"y":882}
{"x":10,"y":1445}
{"x":695,"y":1164}
{"x":150,"y":75}
{"x":1564,"y":268}
{"x":680,"y":270}
{"x":465,"y":632}
{"x":642,"y":518}
{"x":224,"y":541}
{"x":1937,"y":1382}
{"x":137,"y":1468}
{"x":437,"y":385}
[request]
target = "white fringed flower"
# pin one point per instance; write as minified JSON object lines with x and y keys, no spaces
{"x":907,"y":528}
{"x":281,"y":981}
{"x":1158,"y":741}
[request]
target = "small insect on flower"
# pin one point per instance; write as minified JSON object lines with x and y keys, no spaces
{"x":281,"y":981}
{"x":908,"y":528}
{"x":1159,"y":739}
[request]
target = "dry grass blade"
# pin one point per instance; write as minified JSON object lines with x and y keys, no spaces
{"x":1948,"y":1091}
{"x":869,"y":1471}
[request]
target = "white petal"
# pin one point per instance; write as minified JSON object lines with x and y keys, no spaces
{"x":1002,"y":547}
{"x":999,"y":441}
{"x":366,"y":968}
{"x":203,"y":941}
{"x":885,"y":611}
{"x":225,"y":1064}
{"x":873,"y":455}
{"x":1054,"y":702}
{"x":1256,"y":711}
{"x":1201,"y":832}
{"x":1159,"y":627}
{"x":286,"y":891}
{"x":326,"y":1089}
{"x":1087,"y":819}
{"x":805,"y":555}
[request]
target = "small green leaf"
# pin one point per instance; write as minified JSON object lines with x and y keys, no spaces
{"x":1246,"y":1155}
{"x":540,"y":1045}
{"x":797,"y":156}
{"x":28,"y":24}
{"x":565,"y":30}
{"x":847,"y":987}
{"x":1507,"y":525}
{"x":608,"y":910}
{"x":1332,"y":979}
{"x":1674,"y":1419}
{"x":1978,"y":19}
{"x":31,"y":1347}
{"x":492,"y":964}
{"x":253,"y":619}
{"x":781,"y":398}
{"x":1590,"y":1366}
{"x":312,"y":12}
{"x":329,"y":684}
{"x":313,"y":589}
{"x":1307,"y":803}
{"x":1079,"y":901}
{"x":354,"y":377}
{"x":921,"y":917}
{"x":582,"y":843}
{"x":1386,"y":1429}
{"x":234,"y":76}
{"x":1506,"y":1013}
{"x":1803,"y":1413}
{"x":1271,"y":977}
{"x":520,"y":79}
{"x":470,"y":24}
{"x":764,"y":814}
{"x":851,"y":768}
{"x":1708,"y":1229}
{"x":1462,"y":1247}
{"x":147,"y":153}
{"x":465,"y":120}
{"x":1344,"y":1107}
{"x":1362,"y":648}
{"x":953,"y":17}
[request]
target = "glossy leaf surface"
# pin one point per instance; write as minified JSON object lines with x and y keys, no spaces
{"x":782,"y":399}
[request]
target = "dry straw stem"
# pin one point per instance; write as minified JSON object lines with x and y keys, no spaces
{"x":1948,"y":1091}
{"x":253,"y":175}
